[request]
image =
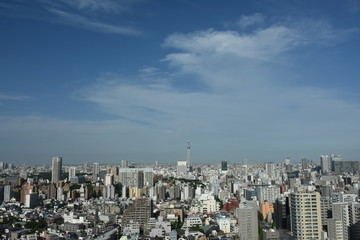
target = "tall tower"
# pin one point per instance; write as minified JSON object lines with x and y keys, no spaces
{"x":188,"y":154}
{"x":56,"y":169}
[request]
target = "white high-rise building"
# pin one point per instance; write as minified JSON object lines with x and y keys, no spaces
{"x":325,"y":163}
{"x":109,"y":178}
{"x":305,"y":215}
{"x":268,"y":193}
{"x":270,"y":169}
{"x":136,"y":177}
{"x":60,"y":194}
{"x":124,"y":164}
{"x":56,"y":169}
{"x":72,"y":172}
{"x":181,"y":168}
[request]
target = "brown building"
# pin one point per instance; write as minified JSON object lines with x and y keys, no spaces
{"x":138,"y":211}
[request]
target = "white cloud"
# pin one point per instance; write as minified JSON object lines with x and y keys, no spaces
{"x":243,"y":101}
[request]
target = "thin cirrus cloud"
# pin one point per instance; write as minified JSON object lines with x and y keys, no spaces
{"x":14,"y":97}
{"x":84,"y":14}
{"x":94,"y":25}
{"x":95,"y":5}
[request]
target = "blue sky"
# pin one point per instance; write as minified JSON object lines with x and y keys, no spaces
{"x":109,"y":80}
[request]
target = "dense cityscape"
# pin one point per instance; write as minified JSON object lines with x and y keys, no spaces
{"x":244,"y":200}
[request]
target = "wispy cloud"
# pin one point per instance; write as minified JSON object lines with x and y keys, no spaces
{"x":250,"y":21}
{"x":13,"y":97}
{"x":91,"y":15}
{"x":95,"y":5}
{"x":94,"y":25}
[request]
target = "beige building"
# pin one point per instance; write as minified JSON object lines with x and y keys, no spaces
{"x":305,"y":215}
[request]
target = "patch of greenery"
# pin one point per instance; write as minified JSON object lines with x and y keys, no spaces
{"x":37,"y":225}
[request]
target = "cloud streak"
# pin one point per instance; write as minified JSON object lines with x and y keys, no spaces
{"x":94,"y":25}
{"x":13,"y":97}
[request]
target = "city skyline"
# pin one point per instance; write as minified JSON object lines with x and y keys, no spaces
{"x":102,"y":81}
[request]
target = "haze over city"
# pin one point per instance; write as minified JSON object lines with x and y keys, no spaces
{"x":102,"y":81}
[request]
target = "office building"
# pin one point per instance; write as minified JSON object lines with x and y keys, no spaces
{"x":305,"y":215}
{"x":345,"y":166}
{"x":56,"y":169}
{"x":224,"y":166}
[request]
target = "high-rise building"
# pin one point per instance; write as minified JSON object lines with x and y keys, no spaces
{"x":181,"y":168}
{"x":248,"y":222}
{"x":136,"y":177}
{"x":7,"y":193}
{"x":305,"y":163}
{"x":109,"y":179}
{"x":340,"y":221}
{"x":305,"y":215}
{"x":96,"y":172}
{"x":270,"y":169}
{"x":138,"y":212}
{"x":124,"y":164}
{"x":325,"y":163}
{"x":224,"y":166}
{"x":72,"y":172}
{"x":267,"y":193}
{"x":56,"y":169}
{"x":31,"y":200}
{"x":345,"y":221}
{"x":345,"y":166}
